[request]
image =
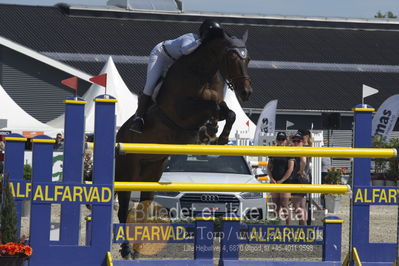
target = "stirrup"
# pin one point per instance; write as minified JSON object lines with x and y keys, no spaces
{"x":137,"y":125}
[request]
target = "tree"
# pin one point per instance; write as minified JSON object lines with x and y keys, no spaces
{"x":388,"y":14}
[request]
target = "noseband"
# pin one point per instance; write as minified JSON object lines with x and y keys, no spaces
{"x":242,"y":53}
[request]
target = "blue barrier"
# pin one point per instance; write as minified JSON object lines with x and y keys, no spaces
{"x":71,"y":193}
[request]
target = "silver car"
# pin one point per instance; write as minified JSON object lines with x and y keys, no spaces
{"x":210,"y":169}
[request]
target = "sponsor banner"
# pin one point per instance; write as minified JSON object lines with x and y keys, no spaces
{"x":152,"y":233}
{"x":256,"y":234}
{"x":375,"y":195}
{"x":268,"y":234}
{"x":385,"y":118}
{"x":62,"y":193}
{"x":5,"y":132}
{"x":266,"y":122}
{"x":31,"y":134}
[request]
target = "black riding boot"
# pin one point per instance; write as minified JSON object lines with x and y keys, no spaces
{"x":137,"y":124}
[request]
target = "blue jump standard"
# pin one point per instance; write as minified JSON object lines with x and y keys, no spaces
{"x":71,"y":193}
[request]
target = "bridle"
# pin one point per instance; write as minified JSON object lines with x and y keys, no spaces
{"x":242,"y":53}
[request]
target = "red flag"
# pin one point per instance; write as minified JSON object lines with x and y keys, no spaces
{"x":71,"y":83}
{"x":247,"y":123}
{"x":100,"y":80}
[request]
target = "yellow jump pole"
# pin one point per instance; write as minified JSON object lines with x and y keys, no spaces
{"x":223,"y":187}
{"x":336,"y":152}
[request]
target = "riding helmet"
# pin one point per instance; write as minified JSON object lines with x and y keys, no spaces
{"x":209,"y":27}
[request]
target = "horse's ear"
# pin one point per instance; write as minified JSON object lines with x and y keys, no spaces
{"x":245,"y":36}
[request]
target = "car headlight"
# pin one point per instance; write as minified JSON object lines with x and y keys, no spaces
{"x":251,"y":195}
{"x":167,"y":193}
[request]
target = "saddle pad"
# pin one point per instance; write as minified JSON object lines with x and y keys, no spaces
{"x":156,"y":89}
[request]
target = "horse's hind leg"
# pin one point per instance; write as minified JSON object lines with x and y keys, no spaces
{"x":124,"y":200}
{"x":123,"y":211}
{"x":226,"y":114}
{"x":125,"y":168}
{"x":151,"y":171}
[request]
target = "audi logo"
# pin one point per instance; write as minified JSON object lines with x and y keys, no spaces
{"x":209,"y":197}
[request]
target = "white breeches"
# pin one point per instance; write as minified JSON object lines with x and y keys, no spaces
{"x":158,"y":64}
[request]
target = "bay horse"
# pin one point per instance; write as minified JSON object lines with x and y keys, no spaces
{"x":192,"y":93}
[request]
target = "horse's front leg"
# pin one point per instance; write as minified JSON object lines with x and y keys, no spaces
{"x":225,"y":114}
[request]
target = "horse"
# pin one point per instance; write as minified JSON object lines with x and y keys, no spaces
{"x":191,"y":94}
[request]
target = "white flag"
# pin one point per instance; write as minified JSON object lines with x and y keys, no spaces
{"x":367,"y":91}
{"x":385,"y":118}
{"x":267,"y":121}
{"x":288,"y":124}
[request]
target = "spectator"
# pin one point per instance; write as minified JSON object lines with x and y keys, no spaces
{"x":325,"y":165}
{"x":88,"y":159}
{"x":280,"y":170}
{"x":88,"y":165}
{"x":307,"y":137}
{"x":2,"y":149}
{"x":300,"y":176}
{"x":2,"y":144}
{"x":308,"y":142}
{"x":59,"y":143}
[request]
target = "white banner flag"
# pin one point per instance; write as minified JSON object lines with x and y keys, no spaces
{"x":385,"y":118}
{"x":367,"y":91}
{"x":266,"y":122}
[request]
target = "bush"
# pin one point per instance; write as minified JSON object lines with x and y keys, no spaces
{"x":334,"y":176}
{"x":393,"y":163}
{"x":8,"y":216}
{"x":379,"y":163}
{"x":27,"y":172}
{"x":11,"y":245}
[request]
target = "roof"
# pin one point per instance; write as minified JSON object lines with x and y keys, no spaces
{"x":307,"y":64}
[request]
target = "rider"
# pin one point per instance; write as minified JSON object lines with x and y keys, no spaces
{"x":162,"y":57}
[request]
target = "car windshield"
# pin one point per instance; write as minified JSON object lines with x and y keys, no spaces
{"x":207,"y":163}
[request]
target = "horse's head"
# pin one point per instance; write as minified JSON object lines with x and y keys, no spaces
{"x":234,"y":68}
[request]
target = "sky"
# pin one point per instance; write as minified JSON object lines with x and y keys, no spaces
{"x":365,"y":9}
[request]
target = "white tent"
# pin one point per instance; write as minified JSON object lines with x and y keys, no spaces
{"x":19,"y":121}
{"x":243,"y":124}
{"x":116,"y":87}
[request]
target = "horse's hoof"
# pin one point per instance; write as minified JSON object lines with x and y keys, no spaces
{"x":126,"y":251}
{"x":223,"y":141}
{"x":134,"y":254}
